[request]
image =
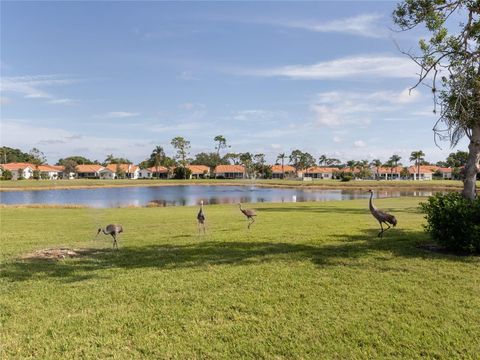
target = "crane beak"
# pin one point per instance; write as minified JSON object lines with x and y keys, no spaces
{"x":98,"y":232}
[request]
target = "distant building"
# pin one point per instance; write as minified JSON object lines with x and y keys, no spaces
{"x":230,"y":172}
{"x":199,"y":171}
{"x":90,"y":171}
{"x":387,"y":173}
{"x":426,"y":172}
{"x":18,"y":170}
{"x":151,"y":173}
{"x":49,"y":172}
{"x":111,"y":172}
{"x":277,"y":172}
{"x":318,"y":172}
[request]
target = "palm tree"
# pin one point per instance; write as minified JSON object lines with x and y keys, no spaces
{"x":156,"y":157}
{"x":417,"y":156}
{"x":377,"y":163}
{"x":395,"y":159}
{"x":282,"y":157}
{"x":333,"y":161}
{"x":390,"y":164}
{"x":322,"y":160}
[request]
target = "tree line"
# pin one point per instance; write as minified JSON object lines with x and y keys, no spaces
{"x":255,"y":164}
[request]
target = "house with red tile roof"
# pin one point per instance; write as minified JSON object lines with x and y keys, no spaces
{"x":91,"y":171}
{"x":424,"y":172}
{"x":151,"y":173}
{"x":230,"y":172}
{"x":277,"y":171}
{"x":112,"y":171}
{"x":319,"y":172}
{"x":447,"y":173}
{"x":19,"y":170}
{"x":387,"y":173}
{"x":49,"y":172}
{"x":199,"y":171}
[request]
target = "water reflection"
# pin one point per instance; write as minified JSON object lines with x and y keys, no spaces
{"x":189,"y":195}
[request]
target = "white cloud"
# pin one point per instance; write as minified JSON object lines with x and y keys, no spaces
{"x":326,"y":116}
{"x":337,"y":139}
{"x":32,"y":87}
{"x":359,"y":144}
{"x":336,"y":108}
{"x":63,"y":101}
{"x":116,"y":115}
{"x":361,"y":25}
{"x":348,"y":67}
{"x":57,"y":143}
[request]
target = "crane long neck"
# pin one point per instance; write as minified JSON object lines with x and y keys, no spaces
{"x":105,"y":232}
{"x":372,"y":207}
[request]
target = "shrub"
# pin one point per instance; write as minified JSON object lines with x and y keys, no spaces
{"x":346,"y":176}
{"x":453,"y":221}
{"x":182,"y":173}
{"x":7,"y":175}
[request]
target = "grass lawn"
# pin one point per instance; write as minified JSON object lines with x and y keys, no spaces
{"x":308,"y":281}
{"x":327,"y":184}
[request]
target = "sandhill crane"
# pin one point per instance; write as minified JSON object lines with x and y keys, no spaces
{"x":201,"y":218}
{"x":114,"y":230}
{"x":381,"y":216}
{"x":250,"y":214}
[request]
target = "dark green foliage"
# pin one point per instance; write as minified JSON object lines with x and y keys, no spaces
{"x":346,"y":176}
{"x":453,"y":221}
{"x":182,"y":173}
{"x":36,"y":174}
{"x":6,"y":175}
{"x":80,"y":160}
{"x":8,"y":155}
{"x":209,"y":159}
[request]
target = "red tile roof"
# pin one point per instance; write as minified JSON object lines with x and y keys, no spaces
{"x":445,"y":169}
{"x":286,"y":168}
{"x":424,"y":169}
{"x":320,"y":170}
{"x":48,"y":168}
{"x":92,"y":168}
{"x":17,"y":166}
{"x":387,"y":170}
{"x":161,"y":169}
{"x":220,"y":169}
{"x":198,"y":169}
{"x":128,"y":168}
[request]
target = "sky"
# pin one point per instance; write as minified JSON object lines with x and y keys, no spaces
{"x":99,"y":78}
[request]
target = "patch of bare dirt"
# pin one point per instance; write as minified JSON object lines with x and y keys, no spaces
{"x":54,"y":254}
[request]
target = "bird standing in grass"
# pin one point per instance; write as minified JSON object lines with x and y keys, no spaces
{"x":381,"y":216}
{"x":201,"y":218}
{"x":250,"y":214}
{"x":114,"y":230}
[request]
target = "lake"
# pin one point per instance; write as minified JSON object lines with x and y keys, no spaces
{"x":188,"y":195}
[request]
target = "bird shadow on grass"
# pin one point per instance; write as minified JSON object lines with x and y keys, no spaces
{"x":348,"y":250}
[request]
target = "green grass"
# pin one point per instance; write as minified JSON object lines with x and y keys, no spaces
{"x":328,"y":184}
{"x":308,"y":281}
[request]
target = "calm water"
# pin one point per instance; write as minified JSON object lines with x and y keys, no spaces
{"x":187,"y":195}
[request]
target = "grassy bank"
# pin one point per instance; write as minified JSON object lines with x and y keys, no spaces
{"x":325,"y":184}
{"x":309,"y":280}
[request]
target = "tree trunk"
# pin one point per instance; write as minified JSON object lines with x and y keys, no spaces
{"x":472,"y":167}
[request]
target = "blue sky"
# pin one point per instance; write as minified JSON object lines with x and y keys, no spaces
{"x":94,"y":78}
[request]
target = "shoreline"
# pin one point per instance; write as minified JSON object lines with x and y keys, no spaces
{"x":354,"y":185}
